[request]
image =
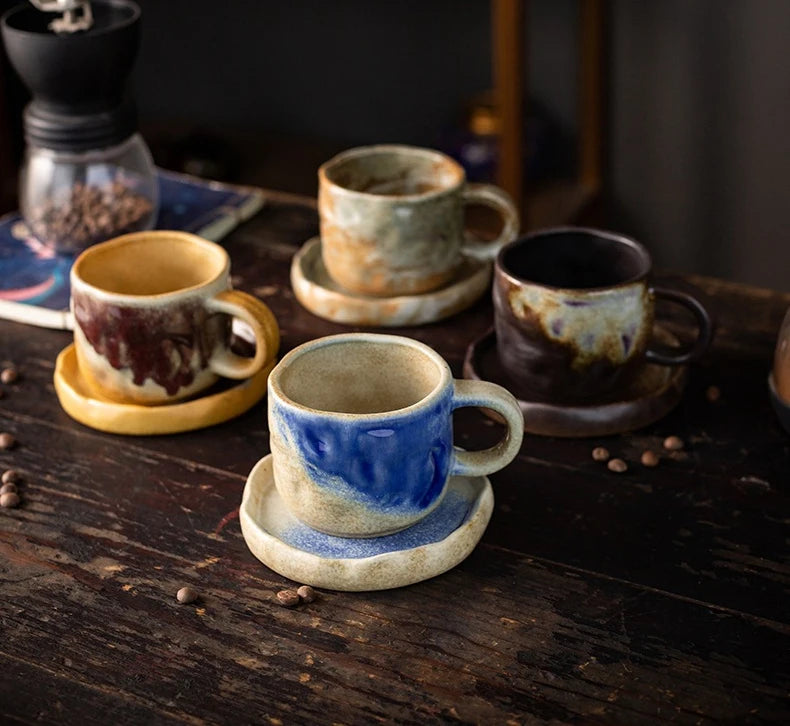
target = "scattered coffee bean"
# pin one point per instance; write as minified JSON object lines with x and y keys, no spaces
{"x":673,"y":443}
{"x":618,"y":466}
{"x":7,"y":441}
{"x":713,"y":393}
{"x":9,"y":375}
{"x":187,"y":595}
{"x":306,"y":593}
{"x":90,"y":214}
{"x":649,"y":458}
{"x":11,"y":476}
{"x":288,"y":598}
{"x":8,"y":488}
{"x":599,"y":453}
{"x":9,"y":500}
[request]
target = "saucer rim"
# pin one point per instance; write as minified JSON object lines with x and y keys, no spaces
{"x":137,"y":420}
{"x":563,"y":420}
{"x":353,"y":309}
{"x":384,"y":571}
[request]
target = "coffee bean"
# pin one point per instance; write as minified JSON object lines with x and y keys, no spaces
{"x":673,"y":443}
{"x":288,"y":598}
{"x":8,"y":488}
{"x":618,"y":466}
{"x":649,"y":458}
{"x":187,"y":595}
{"x":11,"y":476}
{"x":9,"y":500}
{"x":713,"y":393}
{"x":9,"y":375}
{"x":7,"y":441}
{"x":599,"y":453}
{"x":306,"y":593}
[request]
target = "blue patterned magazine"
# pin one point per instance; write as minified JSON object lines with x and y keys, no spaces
{"x":34,"y":280}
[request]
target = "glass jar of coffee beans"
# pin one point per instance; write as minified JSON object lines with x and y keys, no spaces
{"x":73,"y":199}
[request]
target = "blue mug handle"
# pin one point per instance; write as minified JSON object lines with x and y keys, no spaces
{"x":488,"y":395}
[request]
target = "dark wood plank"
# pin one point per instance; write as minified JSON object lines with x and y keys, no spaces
{"x":693,"y":525}
{"x":92,"y":561}
{"x":655,"y":595}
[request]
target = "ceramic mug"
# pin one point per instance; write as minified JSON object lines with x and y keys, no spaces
{"x":392,"y":219}
{"x":361,"y":432}
{"x":781,"y":367}
{"x":574,"y":311}
{"x":152,"y":318}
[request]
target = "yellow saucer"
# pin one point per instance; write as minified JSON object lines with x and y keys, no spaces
{"x":135,"y":420}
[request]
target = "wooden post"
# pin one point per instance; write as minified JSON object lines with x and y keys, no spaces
{"x":509,"y":68}
{"x":591,"y":89}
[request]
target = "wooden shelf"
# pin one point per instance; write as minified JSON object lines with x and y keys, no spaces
{"x":563,"y":202}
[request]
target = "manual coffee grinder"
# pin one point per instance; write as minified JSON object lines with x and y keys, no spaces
{"x":87,"y":174}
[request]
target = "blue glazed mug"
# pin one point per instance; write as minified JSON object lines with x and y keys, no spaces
{"x":362,"y":436}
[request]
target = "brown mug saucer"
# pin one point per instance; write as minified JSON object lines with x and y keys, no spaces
{"x":652,"y":395}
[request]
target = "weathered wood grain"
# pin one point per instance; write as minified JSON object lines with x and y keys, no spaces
{"x":651,"y":596}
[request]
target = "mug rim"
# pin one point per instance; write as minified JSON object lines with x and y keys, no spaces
{"x":621,"y":239}
{"x":276,"y":390}
{"x":132,"y":300}
{"x":360,"y":151}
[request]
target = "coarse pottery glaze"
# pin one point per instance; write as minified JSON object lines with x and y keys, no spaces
{"x":650,"y":395}
{"x":361,"y":432}
{"x":392,"y":221}
{"x":152,"y":318}
{"x":574,"y":311}
{"x":322,"y":296}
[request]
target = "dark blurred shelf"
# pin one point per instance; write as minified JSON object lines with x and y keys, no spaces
{"x":273,"y":161}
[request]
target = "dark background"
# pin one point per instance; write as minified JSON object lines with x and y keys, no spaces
{"x":696,"y":157}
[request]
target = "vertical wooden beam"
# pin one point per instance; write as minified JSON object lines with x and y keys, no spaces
{"x":509,"y":69}
{"x":591,"y":93}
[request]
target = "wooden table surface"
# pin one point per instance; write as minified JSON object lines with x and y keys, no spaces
{"x":658,"y":595}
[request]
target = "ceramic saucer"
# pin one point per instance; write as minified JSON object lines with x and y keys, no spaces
{"x":322,"y":296}
{"x":224,"y":401}
{"x":654,"y":393}
{"x":430,"y":547}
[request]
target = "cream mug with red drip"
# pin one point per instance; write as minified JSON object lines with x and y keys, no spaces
{"x":152,"y":318}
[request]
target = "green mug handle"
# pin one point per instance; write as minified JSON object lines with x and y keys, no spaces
{"x":492,"y":196}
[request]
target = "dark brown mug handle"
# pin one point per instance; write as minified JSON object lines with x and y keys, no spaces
{"x":704,"y":325}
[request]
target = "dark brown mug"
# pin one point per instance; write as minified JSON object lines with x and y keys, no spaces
{"x":574,"y":311}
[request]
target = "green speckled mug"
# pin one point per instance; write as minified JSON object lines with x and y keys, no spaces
{"x":392,"y":219}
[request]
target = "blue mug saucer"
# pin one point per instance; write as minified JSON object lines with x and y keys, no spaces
{"x":428,"y":548}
